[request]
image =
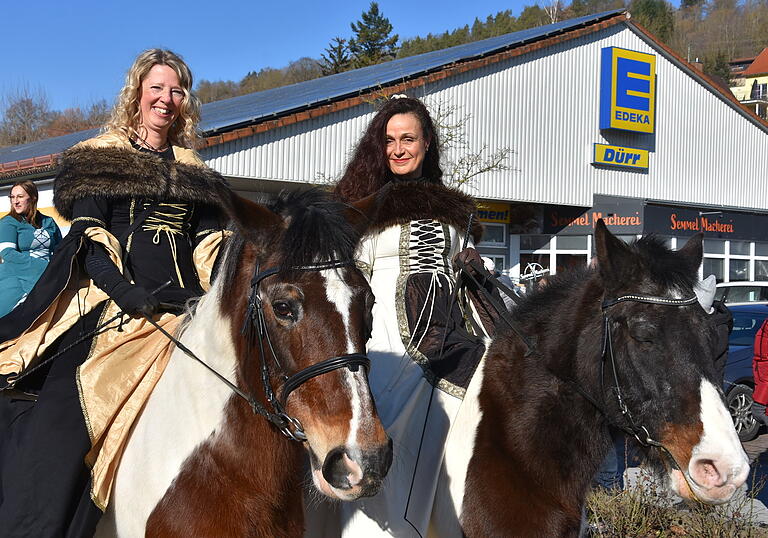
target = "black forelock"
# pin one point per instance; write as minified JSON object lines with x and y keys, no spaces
{"x":664,"y":266}
{"x":317,"y":229}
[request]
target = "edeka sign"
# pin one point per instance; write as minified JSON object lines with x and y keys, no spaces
{"x":493,"y":212}
{"x":621,"y":156}
{"x":627,"y":90}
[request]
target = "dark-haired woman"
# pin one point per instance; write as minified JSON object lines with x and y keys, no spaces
{"x":145,"y":214}
{"x":27,"y":240}
{"x":423,"y":356}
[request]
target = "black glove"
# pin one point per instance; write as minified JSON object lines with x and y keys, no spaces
{"x":467,"y":256}
{"x":758,"y":411}
{"x":135,"y":300}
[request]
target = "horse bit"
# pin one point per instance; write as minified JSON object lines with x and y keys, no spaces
{"x":289,"y":426}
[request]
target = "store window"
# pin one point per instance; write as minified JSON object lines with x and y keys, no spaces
{"x":499,"y":262}
{"x":711,"y":246}
{"x":572,"y":242}
{"x":493,"y":235}
{"x":761,"y":269}
{"x":738,"y":270}
{"x":714,"y":266}
{"x":556,"y":253}
{"x":627,"y":238}
{"x":534,"y":242}
{"x":739,"y":248}
{"x":565,"y":262}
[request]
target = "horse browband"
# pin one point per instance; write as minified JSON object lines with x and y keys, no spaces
{"x":289,"y":426}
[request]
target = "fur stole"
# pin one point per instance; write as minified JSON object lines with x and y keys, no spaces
{"x":115,"y":173}
{"x":401,"y":202}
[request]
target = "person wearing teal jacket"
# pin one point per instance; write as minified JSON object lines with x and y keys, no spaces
{"x":27,"y":241}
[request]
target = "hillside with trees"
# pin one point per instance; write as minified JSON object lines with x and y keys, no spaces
{"x":710,"y":31}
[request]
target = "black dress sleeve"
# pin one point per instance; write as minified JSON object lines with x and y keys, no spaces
{"x":89,"y":212}
{"x":206,"y":220}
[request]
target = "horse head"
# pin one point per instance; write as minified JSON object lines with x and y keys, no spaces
{"x":659,"y":381}
{"x":301,"y":311}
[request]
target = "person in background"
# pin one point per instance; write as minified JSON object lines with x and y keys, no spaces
{"x":146,"y":218}
{"x":490,"y":266}
{"x":27,"y":241}
{"x":760,"y":374}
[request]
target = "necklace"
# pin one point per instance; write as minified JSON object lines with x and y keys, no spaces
{"x":142,"y":142}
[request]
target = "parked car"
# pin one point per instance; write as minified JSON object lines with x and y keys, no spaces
{"x":739,"y":383}
{"x":746,"y":292}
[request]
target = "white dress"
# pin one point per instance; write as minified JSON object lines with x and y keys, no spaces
{"x":419,"y":401}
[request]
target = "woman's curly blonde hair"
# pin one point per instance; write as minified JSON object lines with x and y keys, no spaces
{"x":126,"y":116}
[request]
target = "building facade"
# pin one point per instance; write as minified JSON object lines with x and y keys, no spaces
{"x":597,"y":120}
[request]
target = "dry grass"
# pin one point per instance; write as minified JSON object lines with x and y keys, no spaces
{"x":648,"y":510}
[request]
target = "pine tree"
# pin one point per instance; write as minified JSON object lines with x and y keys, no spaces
{"x":372,"y":43}
{"x":337,"y":59}
{"x":717,"y":65}
{"x":656,"y":16}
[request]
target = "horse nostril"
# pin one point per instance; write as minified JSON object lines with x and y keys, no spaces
{"x":341,"y":471}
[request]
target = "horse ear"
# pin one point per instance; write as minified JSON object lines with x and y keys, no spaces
{"x":614,"y":259}
{"x":362,"y":213}
{"x":693,"y":251}
{"x":251,"y":217}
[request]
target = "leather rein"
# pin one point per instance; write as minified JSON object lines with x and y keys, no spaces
{"x":638,"y":431}
{"x":255,"y":326}
{"x":275,"y":412}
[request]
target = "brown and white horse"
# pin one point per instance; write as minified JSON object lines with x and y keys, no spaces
{"x":199,"y":461}
{"x":625,"y":345}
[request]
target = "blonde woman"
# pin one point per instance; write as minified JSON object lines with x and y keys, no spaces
{"x":27,"y":240}
{"x":144,"y":209}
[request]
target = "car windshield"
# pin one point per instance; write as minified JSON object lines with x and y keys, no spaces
{"x":745,"y":326}
{"x":746,"y":294}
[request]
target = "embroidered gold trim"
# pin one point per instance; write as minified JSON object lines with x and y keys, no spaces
{"x":170,"y":223}
{"x":131,"y":216}
{"x":206,"y":232}
{"x":402,"y":319}
{"x":90,"y":219}
{"x":366,"y":268}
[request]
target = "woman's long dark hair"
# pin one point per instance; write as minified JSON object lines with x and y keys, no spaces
{"x":368,"y":171}
{"x":30,"y":215}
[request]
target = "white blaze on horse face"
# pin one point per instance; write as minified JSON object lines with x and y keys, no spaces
{"x":718,"y":465}
{"x":340,"y":294}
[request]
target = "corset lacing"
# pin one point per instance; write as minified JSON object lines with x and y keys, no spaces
{"x":171,"y":223}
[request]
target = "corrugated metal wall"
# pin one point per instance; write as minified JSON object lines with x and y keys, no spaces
{"x":544,"y":106}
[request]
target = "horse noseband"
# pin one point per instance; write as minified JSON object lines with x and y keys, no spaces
{"x":353,"y":361}
{"x":289,"y":426}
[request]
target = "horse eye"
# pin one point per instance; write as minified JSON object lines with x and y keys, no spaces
{"x":642,"y":332}
{"x":282,"y":309}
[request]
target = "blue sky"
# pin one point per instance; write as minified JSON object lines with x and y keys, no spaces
{"x":78,"y":51}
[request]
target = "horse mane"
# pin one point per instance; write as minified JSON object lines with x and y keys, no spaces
{"x":661,"y":265}
{"x":664,"y":267}
{"x":315,"y":230}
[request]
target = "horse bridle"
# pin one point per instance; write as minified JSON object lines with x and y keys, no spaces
{"x":639,"y":432}
{"x":276,"y":414}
